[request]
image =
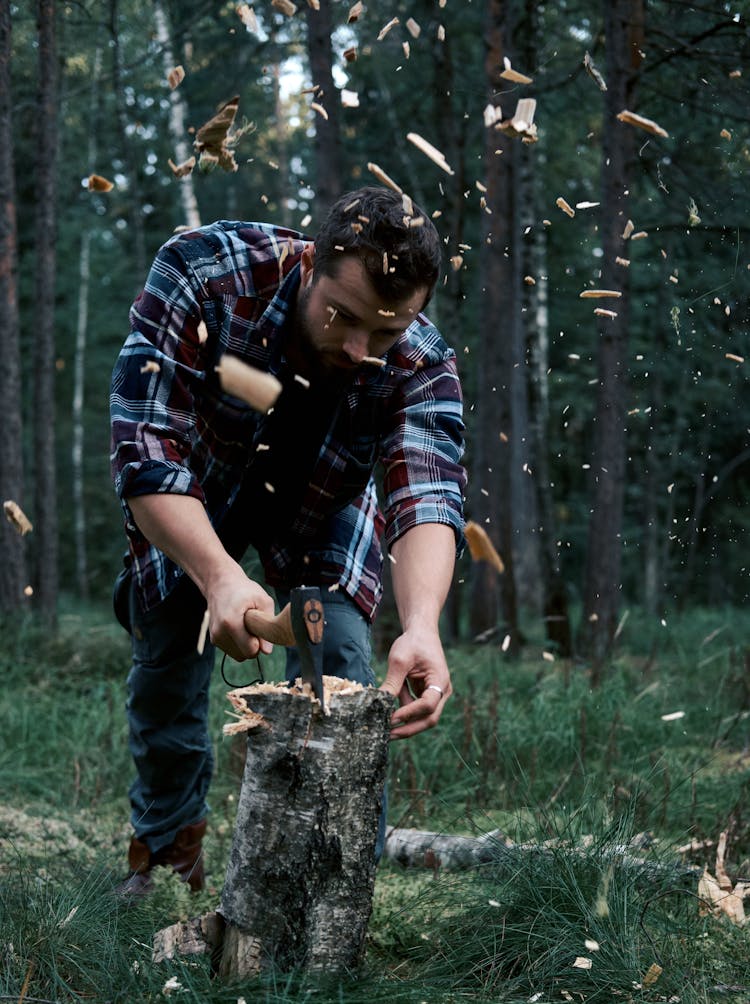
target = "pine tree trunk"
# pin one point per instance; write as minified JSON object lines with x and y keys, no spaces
{"x":298,"y":890}
{"x":500,"y":360}
{"x":45,"y":484}
{"x":327,"y":142}
{"x":12,"y":566}
{"x":623,"y":21}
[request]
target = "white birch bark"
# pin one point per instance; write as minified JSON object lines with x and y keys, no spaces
{"x":177,"y":116}
{"x":299,"y":883}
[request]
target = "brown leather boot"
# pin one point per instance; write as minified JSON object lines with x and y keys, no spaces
{"x":184,"y":855}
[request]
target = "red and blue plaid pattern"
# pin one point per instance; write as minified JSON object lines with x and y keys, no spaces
{"x":231,"y":287}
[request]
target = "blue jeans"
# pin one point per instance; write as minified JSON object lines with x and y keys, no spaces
{"x":167,"y":707}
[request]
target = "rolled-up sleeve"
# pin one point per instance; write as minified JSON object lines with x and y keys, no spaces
{"x":153,"y":385}
{"x":424,"y":479}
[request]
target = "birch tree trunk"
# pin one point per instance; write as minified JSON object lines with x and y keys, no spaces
{"x":77,"y":451}
{"x":135,"y":202}
{"x":177,"y":117}
{"x":298,"y":890}
{"x":12,"y":565}
{"x":45,"y":484}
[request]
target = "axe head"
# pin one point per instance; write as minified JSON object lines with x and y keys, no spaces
{"x":307,"y":626}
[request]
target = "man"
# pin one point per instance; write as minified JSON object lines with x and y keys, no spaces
{"x":202,"y":476}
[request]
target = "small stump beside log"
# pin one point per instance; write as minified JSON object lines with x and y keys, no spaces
{"x":301,"y":872}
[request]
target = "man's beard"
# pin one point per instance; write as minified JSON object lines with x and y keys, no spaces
{"x":314,"y":363}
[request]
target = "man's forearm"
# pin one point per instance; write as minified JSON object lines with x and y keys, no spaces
{"x":422,"y":572}
{"x":179,"y":526}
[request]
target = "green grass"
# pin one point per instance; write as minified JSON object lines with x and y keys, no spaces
{"x":525,"y":746}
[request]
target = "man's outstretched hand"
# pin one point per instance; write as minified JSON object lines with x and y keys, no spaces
{"x":418,"y":675}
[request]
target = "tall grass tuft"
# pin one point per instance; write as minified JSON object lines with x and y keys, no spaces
{"x":584,"y":779}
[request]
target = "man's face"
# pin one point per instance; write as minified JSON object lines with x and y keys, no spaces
{"x":341,"y":320}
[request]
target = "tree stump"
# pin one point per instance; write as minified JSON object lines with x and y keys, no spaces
{"x":301,"y":872}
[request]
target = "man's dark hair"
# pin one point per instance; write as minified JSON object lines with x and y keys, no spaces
{"x":374,"y":223}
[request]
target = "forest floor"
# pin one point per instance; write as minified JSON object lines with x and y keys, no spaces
{"x":627,"y":789}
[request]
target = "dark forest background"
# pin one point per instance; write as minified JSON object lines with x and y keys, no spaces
{"x":608,"y":455}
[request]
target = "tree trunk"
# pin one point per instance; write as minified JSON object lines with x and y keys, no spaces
{"x":298,"y":890}
{"x":45,"y":484}
{"x":500,"y":361}
{"x":177,"y":115}
{"x":135,"y":201}
{"x":77,"y":451}
{"x":12,"y":565}
{"x":623,"y":20}
{"x":327,"y":143}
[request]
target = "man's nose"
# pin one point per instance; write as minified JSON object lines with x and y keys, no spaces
{"x":355,"y":345}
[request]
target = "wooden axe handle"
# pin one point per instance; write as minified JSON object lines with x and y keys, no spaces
{"x":276,"y":629}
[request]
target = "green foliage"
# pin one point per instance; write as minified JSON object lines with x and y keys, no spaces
{"x":534,"y":733}
{"x":510,"y":754}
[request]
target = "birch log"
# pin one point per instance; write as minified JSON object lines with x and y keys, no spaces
{"x":301,"y":872}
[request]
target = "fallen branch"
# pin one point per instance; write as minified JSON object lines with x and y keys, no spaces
{"x":425,"y":849}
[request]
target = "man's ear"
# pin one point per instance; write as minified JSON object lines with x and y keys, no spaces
{"x":306,"y":263}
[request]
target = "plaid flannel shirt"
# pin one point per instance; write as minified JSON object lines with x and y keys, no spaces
{"x":230,"y":287}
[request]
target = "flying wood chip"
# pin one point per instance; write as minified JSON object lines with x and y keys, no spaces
{"x":522,"y":123}
{"x":386,"y":28}
{"x":213,"y":141}
{"x":430,"y":151}
{"x":180,"y":170}
{"x":597,"y":294}
{"x":382,"y":176}
{"x":594,"y":73}
{"x":96,"y":183}
{"x":246,"y":14}
{"x":481,"y":547}
{"x":256,"y":388}
{"x":355,"y":12}
{"x":630,"y":118}
{"x":413,"y":28}
{"x":565,"y":206}
{"x":17,"y":517}
{"x":175,"y":76}
{"x":508,"y":73}
{"x":285,"y":6}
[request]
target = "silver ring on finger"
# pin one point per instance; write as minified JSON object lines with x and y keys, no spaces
{"x":434,"y":686}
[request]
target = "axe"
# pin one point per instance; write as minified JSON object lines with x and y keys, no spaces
{"x":300,"y":623}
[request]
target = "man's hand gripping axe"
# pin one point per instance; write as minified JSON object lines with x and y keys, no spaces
{"x":300,"y":623}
